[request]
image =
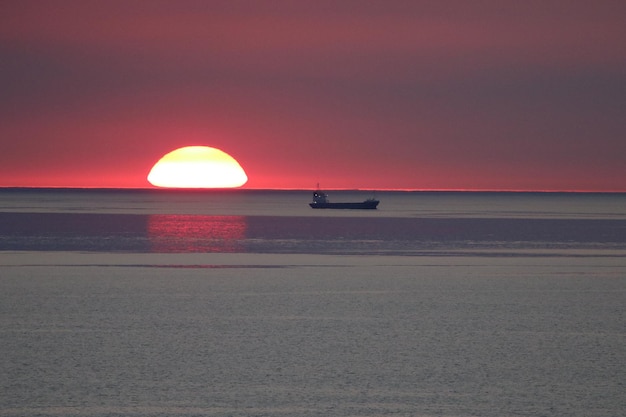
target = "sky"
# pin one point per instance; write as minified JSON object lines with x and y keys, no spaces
{"x":425,"y":95}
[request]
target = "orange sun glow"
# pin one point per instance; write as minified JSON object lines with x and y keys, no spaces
{"x":197,"y":167}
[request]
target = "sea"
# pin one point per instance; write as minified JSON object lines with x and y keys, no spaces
{"x":250,"y":303}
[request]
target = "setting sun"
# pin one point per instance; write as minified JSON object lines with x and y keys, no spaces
{"x":197,"y":167}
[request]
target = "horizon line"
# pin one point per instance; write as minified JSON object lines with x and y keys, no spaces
{"x":442,"y":190}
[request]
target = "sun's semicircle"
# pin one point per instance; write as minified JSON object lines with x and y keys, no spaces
{"x":197,"y":167}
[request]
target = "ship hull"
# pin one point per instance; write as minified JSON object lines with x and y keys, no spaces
{"x":365,"y":205}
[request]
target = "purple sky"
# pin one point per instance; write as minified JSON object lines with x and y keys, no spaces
{"x":351,"y":94}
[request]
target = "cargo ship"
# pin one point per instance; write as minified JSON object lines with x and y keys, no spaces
{"x":320,"y":201}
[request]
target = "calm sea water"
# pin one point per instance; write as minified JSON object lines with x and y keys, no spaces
{"x":249,"y":303}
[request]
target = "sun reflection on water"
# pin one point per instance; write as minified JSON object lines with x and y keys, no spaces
{"x":192,"y":233}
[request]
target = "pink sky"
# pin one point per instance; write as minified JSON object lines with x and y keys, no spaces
{"x":353,"y":94}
